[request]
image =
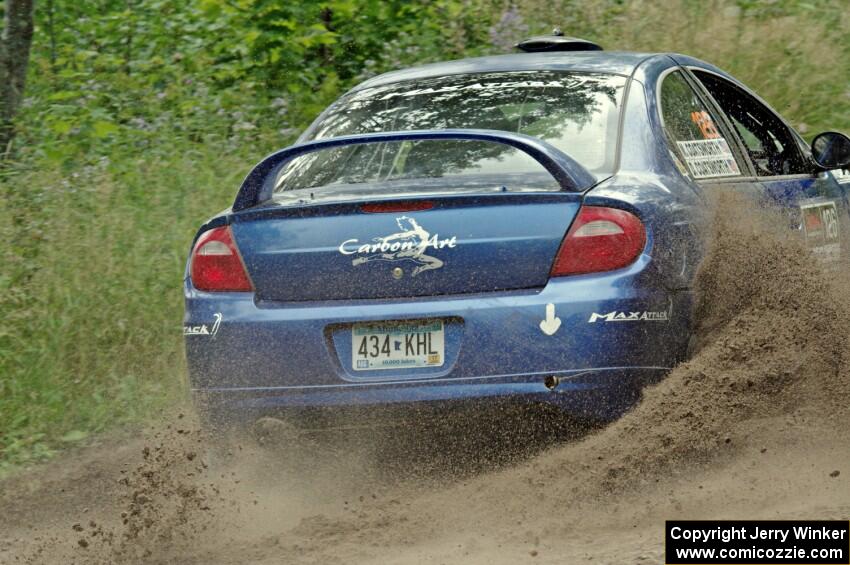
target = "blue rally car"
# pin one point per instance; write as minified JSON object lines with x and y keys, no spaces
{"x":522,"y":228}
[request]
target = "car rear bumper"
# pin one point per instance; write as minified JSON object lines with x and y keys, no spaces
{"x":600,"y":394}
{"x":265,"y":357}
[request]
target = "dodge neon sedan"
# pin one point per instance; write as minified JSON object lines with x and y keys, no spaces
{"x":522,"y":228}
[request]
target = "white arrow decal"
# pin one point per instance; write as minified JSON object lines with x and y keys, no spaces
{"x":550,"y":324}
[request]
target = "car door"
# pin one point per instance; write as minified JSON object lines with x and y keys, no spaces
{"x":784,"y":171}
{"x":703,"y":150}
{"x":700,"y":142}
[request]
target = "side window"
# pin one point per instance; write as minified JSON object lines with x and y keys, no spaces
{"x":693,"y":131}
{"x":770,"y":144}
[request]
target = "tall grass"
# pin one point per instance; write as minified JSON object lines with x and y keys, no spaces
{"x":93,"y":256}
{"x":91,"y":290}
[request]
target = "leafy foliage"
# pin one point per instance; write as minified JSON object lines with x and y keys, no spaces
{"x":128,"y":72}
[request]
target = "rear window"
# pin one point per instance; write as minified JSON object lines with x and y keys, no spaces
{"x":414,"y":167}
{"x":576,"y":112}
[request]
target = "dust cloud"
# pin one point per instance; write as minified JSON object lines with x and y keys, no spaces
{"x":754,"y":425}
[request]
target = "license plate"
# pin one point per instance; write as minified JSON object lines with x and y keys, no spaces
{"x":401,"y":345}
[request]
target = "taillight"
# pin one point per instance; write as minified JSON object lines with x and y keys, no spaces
{"x":216,"y":265}
{"x":600,"y":239}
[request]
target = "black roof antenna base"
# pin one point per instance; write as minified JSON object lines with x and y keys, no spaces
{"x":556,"y":42}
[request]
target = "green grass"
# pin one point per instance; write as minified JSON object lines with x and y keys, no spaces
{"x":94,"y":252}
{"x":92,"y":281}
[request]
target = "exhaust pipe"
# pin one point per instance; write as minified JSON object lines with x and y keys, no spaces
{"x":551,"y":382}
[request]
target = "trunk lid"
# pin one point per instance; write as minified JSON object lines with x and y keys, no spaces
{"x":435,"y":245}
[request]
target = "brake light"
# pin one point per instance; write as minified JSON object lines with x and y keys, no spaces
{"x":216,"y":264}
{"x":600,"y":239}
{"x":397,"y":207}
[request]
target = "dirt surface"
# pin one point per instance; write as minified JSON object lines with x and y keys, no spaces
{"x":754,"y":426}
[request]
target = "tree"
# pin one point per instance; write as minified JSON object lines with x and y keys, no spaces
{"x":14,"y":57}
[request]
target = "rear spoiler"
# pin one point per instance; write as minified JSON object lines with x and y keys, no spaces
{"x":570,"y":175}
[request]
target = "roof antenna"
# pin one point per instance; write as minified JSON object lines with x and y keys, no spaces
{"x":557,"y":32}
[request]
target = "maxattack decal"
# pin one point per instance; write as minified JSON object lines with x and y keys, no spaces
{"x":202,"y":329}
{"x":409,"y":244}
{"x":628,"y":317}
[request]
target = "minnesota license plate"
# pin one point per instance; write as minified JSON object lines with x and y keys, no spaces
{"x":397,"y":345}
